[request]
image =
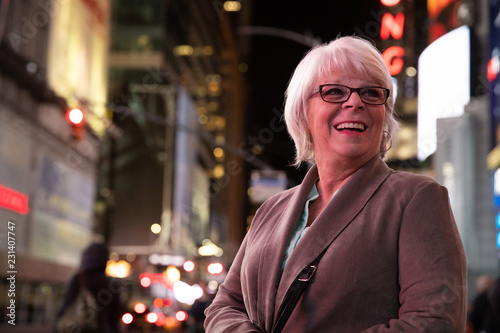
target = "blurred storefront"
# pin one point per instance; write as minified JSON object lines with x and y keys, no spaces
{"x":53,"y":57}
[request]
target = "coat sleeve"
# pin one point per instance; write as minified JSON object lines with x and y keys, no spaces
{"x":432,"y":267}
{"x":227,"y":313}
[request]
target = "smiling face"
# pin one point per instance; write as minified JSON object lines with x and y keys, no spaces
{"x":349,"y":131}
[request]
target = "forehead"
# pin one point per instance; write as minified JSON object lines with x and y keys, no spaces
{"x":347,"y":70}
{"x":346,"y":79}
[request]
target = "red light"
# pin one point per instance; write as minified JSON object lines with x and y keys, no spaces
{"x":151,"y":317}
{"x":493,"y":68}
{"x":392,"y":26}
{"x":161,"y":319}
{"x":13,"y":200}
{"x":158,"y":302}
{"x":215,"y":268}
{"x":188,"y":266}
{"x":127,"y":318}
{"x":390,"y":3}
{"x":145,"y":282}
{"x":167,"y":302}
{"x":393,"y":57}
{"x":75,"y":116}
{"x":140,"y":308}
{"x":181,"y":315}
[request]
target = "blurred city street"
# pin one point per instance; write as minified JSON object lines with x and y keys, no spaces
{"x":156,"y":128}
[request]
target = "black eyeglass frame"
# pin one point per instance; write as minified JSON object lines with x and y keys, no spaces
{"x":351,"y":90}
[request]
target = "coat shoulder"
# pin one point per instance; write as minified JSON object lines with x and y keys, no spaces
{"x":410,"y":179}
{"x":273,"y":206}
{"x":405,"y":186}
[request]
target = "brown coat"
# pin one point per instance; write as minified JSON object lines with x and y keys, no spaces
{"x":396,"y":263}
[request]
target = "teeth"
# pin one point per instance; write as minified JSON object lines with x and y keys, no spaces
{"x":357,"y":126}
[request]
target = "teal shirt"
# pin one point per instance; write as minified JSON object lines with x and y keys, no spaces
{"x":302,"y":224}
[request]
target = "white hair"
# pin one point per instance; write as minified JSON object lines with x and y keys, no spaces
{"x":344,"y":54}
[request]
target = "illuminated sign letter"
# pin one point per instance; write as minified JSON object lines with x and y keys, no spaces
{"x":13,"y":200}
{"x":393,"y":57}
{"x":389,"y":3}
{"x":392,"y":26}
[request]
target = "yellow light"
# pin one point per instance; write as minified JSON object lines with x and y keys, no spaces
{"x":120,"y":269}
{"x":143,"y":40}
{"x":219,"y":122}
{"x":257,"y":149}
{"x":210,"y":249}
{"x":202,"y":119}
{"x":155,"y":228}
{"x":202,"y":91}
{"x":214,"y":87}
{"x":220,"y":139}
{"x":232,"y":6}
{"x":183,"y":50}
{"x":411,"y":71}
{"x":172,"y":274}
{"x":218,"y":152}
{"x":218,"y":171}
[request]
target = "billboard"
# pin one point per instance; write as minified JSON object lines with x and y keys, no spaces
{"x":444,"y":85}
{"x":77,"y":57}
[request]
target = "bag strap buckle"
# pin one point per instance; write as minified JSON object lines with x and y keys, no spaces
{"x":307,"y":273}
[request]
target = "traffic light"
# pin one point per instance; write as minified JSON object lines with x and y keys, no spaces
{"x":76,"y":119}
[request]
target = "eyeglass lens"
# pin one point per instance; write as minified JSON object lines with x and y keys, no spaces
{"x":338,"y":93}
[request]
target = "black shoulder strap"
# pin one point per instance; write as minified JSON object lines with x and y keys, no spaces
{"x":294,"y":293}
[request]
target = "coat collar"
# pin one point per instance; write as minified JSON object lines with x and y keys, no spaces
{"x":334,"y":218}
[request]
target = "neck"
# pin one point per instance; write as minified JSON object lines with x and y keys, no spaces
{"x":332,"y":176}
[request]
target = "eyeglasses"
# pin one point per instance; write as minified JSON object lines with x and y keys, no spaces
{"x":337,"y":93}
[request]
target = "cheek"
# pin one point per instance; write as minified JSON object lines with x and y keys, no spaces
{"x":380,"y":118}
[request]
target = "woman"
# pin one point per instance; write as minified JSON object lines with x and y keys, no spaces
{"x":394,"y":261}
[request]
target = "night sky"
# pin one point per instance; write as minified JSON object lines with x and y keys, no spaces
{"x":273,"y":60}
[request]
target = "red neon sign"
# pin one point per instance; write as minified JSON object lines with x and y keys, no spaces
{"x":13,"y":200}
{"x":389,"y":3}
{"x":393,"y":57}
{"x":392,"y":26}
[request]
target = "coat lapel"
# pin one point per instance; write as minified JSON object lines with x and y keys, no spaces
{"x":335,"y":217}
{"x":278,"y":241}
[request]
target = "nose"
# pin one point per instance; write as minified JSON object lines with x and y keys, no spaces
{"x":354,"y":101}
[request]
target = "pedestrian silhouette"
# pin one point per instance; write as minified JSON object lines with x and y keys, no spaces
{"x":105,"y":314}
